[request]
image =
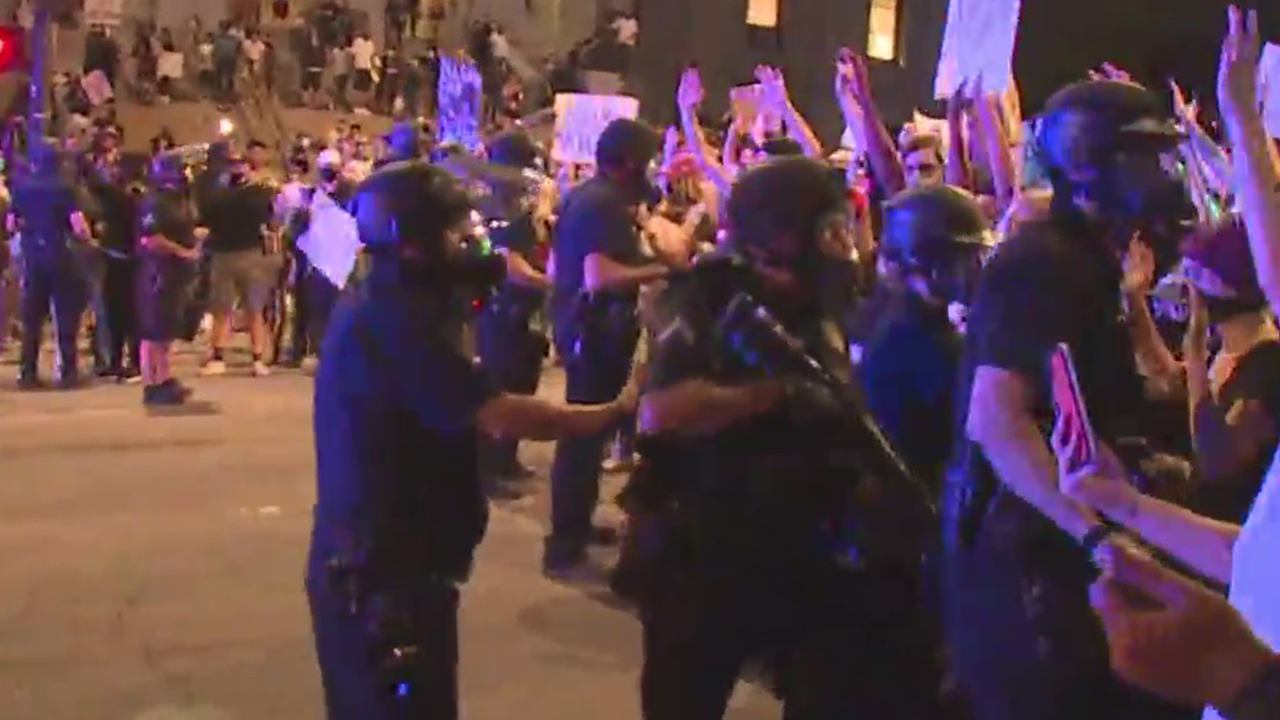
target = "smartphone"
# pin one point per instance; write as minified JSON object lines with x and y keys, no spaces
{"x":1069,"y":405}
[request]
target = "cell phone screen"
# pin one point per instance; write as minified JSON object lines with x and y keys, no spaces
{"x":1069,"y":404}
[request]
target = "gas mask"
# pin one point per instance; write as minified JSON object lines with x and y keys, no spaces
{"x":467,"y":265}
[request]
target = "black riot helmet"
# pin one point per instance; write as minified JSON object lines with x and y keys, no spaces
{"x":411,"y":212}
{"x":777,"y":209}
{"x":938,"y":233}
{"x":1102,"y":140}
{"x":514,"y":149}
{"x":789,"y":217}
{"x":168,"y":172}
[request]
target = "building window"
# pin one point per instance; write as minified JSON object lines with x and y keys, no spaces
{"x":762,"y":13}
{"x":882,"y":30}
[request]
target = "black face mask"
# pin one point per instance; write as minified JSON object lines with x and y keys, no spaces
{"x":1139,"y":193}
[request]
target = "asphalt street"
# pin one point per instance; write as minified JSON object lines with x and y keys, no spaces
{"x":152,"y":570}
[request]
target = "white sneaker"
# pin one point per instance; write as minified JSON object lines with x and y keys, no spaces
{"x":260,"y":369}
{"x":213,"y":368}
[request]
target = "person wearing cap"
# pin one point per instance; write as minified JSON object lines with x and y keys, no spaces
{"x":317,"y":293}
{"x":46,"y":215}
{"x":600,"y":267}
{"x":1017,"y":550}
{"x":1233,"y":396}
{"x":511,"y":349}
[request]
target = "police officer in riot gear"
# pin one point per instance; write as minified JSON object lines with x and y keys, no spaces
{"x":600,"y":266}
{"x":1024,"y":640}
{"x":511,"y":348}
{"x":932,"y":242}
{"x":169,"y":239}
{"x":398,"y":408}
{"x":45,"y":213}
{"x":744,"y":557}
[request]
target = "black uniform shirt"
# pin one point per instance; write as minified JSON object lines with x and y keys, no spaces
{"x":596,"y":218}
{"x":395,"y":433}
{"x":908,"y":373}
{"x":43,"y":206}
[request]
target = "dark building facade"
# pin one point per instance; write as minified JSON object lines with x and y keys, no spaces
{"x":1058,"y":41}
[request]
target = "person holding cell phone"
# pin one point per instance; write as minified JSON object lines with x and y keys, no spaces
{"x":1164,"y":635}
{"x":1024,"y":641}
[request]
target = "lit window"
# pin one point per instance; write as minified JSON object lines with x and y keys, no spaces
{"x":882,"y":30}
{"x":762,"y":13}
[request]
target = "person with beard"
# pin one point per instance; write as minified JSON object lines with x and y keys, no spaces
{"x":746,"y":560}
{"x":511,"y":349}
{"x":600,"y":266}
{"x":399,"y":406}
{"x":1017,"y":550}
{"x":933,"y":243}
{"x":116,"y":232}
{"x":168,"y":253}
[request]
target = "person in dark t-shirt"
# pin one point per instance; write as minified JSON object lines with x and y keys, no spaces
{"x":1025,"y":642}
{"x":116,"y":230}
{"x":169,"y":247}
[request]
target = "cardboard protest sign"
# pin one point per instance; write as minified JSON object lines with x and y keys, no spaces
{"x":979,"y":42}
{"x":581,"y":118}
{"x":103,"y":12}
{"x":97,"y":88}
{"x":1269,"y":88}
{"x":750,"y":113}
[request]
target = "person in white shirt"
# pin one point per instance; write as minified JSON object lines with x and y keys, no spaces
{"x":363,"y":53}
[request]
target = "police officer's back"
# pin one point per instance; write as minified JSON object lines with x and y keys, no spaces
{"x":398,"y":407}
{"x":46,"y":214}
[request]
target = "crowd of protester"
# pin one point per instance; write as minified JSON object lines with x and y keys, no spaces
{"x":1190,"y":480}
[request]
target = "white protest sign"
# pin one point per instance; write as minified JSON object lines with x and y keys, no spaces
{"x":97,"y":88}
{"x":581,"y":118}
{"x":103,"y":12}
{"x":1269,"y":88}
{"x":979,"y":42}
{"x":332,"y":242}
{"x":169,"y":65}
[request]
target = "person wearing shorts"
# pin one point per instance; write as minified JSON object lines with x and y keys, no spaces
{"x":242,"y":271}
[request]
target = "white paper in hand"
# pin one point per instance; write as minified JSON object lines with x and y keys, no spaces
{"x":980,"y":39}
{"x":1269,"y":88}
{"x":331,"y":243}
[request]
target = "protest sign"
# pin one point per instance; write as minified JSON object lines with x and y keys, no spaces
{"x":103,"y":12}
{"x":581,"y":118}
{"x":978,"y":43}
{"x":169,"y":65}
{"x":461,"y":102}
{"x":97,"y":88}
{"x":1269,"y":88}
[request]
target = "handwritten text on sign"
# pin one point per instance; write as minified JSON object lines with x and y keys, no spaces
{"x":581,"y":118}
